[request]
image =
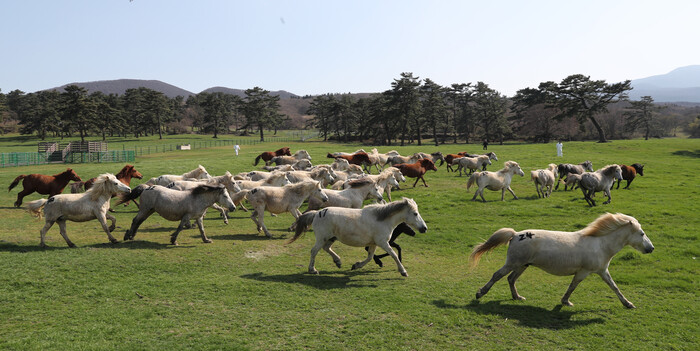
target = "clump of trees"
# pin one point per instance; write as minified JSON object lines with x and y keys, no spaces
{"x":138,"y":112}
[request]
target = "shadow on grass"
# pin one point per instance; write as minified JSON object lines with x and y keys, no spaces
{"x":243,"y":237}
{"x":526,"y":315}
{"x":688,"y":153}
{"x":131,"y":244}
{"x":337,"y":280}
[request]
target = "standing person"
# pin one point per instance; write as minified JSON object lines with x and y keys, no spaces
{"x":236,"y":148}
{"x":560,"y":147}
{"x":486,"y":144}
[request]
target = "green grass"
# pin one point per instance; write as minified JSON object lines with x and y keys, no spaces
{"x":247,"y":292}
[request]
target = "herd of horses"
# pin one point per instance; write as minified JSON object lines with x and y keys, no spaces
{"x":338,"y":214}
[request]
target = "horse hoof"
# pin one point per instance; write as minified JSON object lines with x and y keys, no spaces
{"x":313,"y":272}
{"x":71,"y":245}
{"x":337,"y":264}
{"x":567,"y":303}
{"x":354,"y":267}
{"x":208,"y":241}
{"x":114,"y":241}
{"x":404,"y":274}
{"x":111,"y":228}
{"x":630,"y":305}
{"x":479,"y":294}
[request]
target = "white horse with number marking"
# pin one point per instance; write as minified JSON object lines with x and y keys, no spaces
{"x":579,"y":253}
{"x":495,"y":180}
{"x":81,"y":207}
{"x":369,"y":227}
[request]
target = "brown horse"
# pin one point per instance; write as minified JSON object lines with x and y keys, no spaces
{"x":417,"y":170}
{"x":123,"y":176}
{"x":43,"y":184}
{"x":450,"y":157}
{"x":268,"y":155}
{"x":358,"y":158}
{"x":629,"y":172}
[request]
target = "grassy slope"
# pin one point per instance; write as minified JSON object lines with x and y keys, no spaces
{"x":245,"y":291}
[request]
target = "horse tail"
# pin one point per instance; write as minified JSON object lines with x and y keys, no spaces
{"x":303,"y":223}
{"x":472,"y":179}
{"x":15,"y":182}
{"x":35,"y":207}
{"x":498,"y":238}
{"x":257,"y":159}
{"x":133,"y":195}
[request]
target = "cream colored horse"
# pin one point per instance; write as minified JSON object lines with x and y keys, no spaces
{"x":290,"y":160}
{"x":495,"y":180}
{"x":81,"y":207}
{"x":198,"y":173}
{"x":471,"y":163}
{"x":370,"y":226}
{"x":579,"y":253}
{"x":544,"y":180}
{"x":278,"y":200}
{"x":351,"y":197}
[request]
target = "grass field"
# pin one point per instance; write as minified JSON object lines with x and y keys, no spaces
{"x":245,"y":291}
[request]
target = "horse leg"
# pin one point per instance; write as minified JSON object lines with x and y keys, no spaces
{"x":578,"y":277}
{"x":424,"y":183}
{"x":608,"y":279}
{"x":618,"y":184}
{"x":223,"y":212}
{"x":370,"y":254}
{"x":64,"y":234}
{"x":414,"y":184}
{"x":386,"y":247}
{"x":113,"y":220}
{"x":200,"y":225}
{"x":43,"y":231}
{"x":21,"y":195}
{"x":103,"y":221}
{"x":511,"y":281}
{"x":295,"y":213}
{"x":314,"y":251}
{"x":261,"y":222}
{"x":512,"y":193}
{"x":503,"y":194}
{"x":183,"y":222}
{"x":628,"y":183}
{"x":481,"y":194}
{"x":136,"y":222}
{"x":327,"y":248}
{"x":607,"y":193}
{"x":496,"y":277}
{"x":387,"y":190}
{"x":255,"y":220}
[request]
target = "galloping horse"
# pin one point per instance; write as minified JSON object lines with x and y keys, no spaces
{"x":416,"y":170}
{"x":544,"y":180}
{"x":358,"y":158}
{"x":370,"y":226}
{"x":92,"y":204}
{"x":268,"y":155}
{"x":449,"y":158}
{"x":198,"y":173}
{"x":402,"y":228}
{"x":580,"y":253}
{"x":495,"y":180}
{"x":568,"y":168}
{"x":600,"y":180}
{"x":629,"y":173}
{"x":43,"y":184}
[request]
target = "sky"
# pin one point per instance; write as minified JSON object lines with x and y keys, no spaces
{"x":318,"y":47}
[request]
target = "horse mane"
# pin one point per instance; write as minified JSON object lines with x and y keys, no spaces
{"x":99,"y":186}
{"x":298,"y":187}
{"x":359,"y":182}
{"x":608,"y":170}
{"x":125,"y":170}
{"x":509,"y":164}
{"x":198,"y":170}
{"x":205,"y":188}
{"x":64,"y":173}
{"x":637,"y":167}
{"x":608,"y":223}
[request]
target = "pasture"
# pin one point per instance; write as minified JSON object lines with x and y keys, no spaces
{"x":245,"y":291}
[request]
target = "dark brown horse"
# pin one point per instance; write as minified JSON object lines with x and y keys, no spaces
{"x":358,"y":158}
{"x":629,"y":172}
{"x":400,"y":229}
{"x":417,"y":169}
{"x":268,"y":155}
{"x":43,"y":184}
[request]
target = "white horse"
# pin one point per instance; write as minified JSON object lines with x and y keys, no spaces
{"x":495,"y":180}
{"x":572,"y":181}
{"x":198,"y":173}
{"x":176,"y":205}
{"x":290,"y":160}
{"x":226,"y":180}
{"x":600,"y":180}
{"x":324,"y":175}
{"x":472,"y":163}
{"x":278,"y":200}
{"x":258,"y":175}
{"x":370,"y":226}
{"x":352,"y":197}
{"x":81,"y":207}
{"x":580,"y":253}
{"x":386,"y":180}
{"x":544,"y":180}
{"x":398,"y":159}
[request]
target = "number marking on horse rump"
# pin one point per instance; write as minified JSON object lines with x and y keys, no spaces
{"x":323,"y":213}
{"x":151,"y":187}
{"x":526,"y":235}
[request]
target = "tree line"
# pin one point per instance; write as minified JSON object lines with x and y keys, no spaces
{"x":412,"y":110}
{"x":138,"y":112}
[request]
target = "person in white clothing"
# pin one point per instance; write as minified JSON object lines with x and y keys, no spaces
{"x":236,"y":147}
{"x":560,"y":146}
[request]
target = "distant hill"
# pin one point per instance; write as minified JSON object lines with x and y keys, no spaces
{"x":680,"y":85}
{"x":240,"y":92}
{"x":120,"y":86}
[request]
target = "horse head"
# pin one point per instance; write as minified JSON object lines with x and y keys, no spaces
{"x":588,"y":165}
{"x":318,"y":192}
{"x":428,"y":164}
{"x":72,"y":175}
{"x":413,"y":217}
{"x":515,"y":168}
{"x":639,"y":168}
{"x":618,"y":172}
{"x":636,"y":237}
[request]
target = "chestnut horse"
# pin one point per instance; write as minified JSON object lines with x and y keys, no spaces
{"x":268,"y":155}
{"x":417,"y":170}
{"x":358,"y":158}
{"x":451,"y":157}
{"x":629,"y":172}
{"x":123,"y":176}
{"x":43,"y":184}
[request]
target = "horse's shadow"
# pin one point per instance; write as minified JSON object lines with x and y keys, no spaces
{"x":139,"y":244}
{"x":526,"y":315}
{"x":242,"y":237}
{"x":7,"y":247}
{"x":338,"y":280}
{"x":687,"y":153}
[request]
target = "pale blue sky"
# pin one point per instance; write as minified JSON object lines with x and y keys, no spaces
{"x":316,"y":47}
